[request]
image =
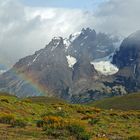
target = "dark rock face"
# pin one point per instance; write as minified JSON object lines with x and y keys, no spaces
{"x":128,"y":60}
{"x":129,"y":52}
{"x":74,"y":79}
{"x":92,"y":44}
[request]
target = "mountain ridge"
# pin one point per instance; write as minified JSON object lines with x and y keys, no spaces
{"x":79,"y":69}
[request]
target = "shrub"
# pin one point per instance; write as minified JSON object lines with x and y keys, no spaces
{"x":50,"y":122}
{"x":89,"y":111}
{"x":113,"y":114}
{"x":55,"y":125}
{"x":62,"y":114}
{"x":7,"y":118}
{"x":94,"y":121}
{"x":58,"y":113}
{"x":55,"y":132}
{"x":53,"y":122}
{"x":10,"y":119}
{"x":19,"y":123}
{"x":4,"y":100}
{"x":74,"y":128}
{"x":134,"y":138}
{"x":27,"y":100}
{"x":87,"y":117}
{"x":39,"y":123}
{"x":79,"y":132}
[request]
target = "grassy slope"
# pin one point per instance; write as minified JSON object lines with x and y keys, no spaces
{"x":127,"y":102}
{"x":46,"y":100}
{"x":106,"y":124}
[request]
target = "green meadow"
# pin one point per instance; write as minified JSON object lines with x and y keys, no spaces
{"x":42,"y":118}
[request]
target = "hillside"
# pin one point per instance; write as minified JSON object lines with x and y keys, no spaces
{"x":127,"y":102}
{"x":26,"y":119}
{"x":46,"y":100}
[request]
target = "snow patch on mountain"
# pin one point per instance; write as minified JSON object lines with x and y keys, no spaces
{"x":36,"y":57}
{"x":71,"y":61}
{"x":55,"y":46}
{"x":57,"y":38}
{"x":74,"y":36}
{"x":85,"y":37}
{"x":104,"y":65}
{"x":67,"y":43}
{"x":56,"y":41}
{"x":2,"y":71}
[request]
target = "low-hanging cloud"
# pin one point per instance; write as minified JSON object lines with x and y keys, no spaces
{"x":118,"y":16}
{"x":26,"y":29}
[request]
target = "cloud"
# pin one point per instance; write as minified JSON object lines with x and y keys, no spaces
{"x":27,"y":29}
{"x":118,"y":16}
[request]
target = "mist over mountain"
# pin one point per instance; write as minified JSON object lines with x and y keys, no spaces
{"x":127,"y":59}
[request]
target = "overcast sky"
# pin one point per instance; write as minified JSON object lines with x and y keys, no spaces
{"x":82,"y":4}
{"x":28,"y":25}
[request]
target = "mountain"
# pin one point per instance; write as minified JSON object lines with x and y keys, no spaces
{"x":127,"y":59}
{"x":77,"y":68}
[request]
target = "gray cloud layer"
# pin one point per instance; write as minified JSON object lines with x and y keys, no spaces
{"x":27,"y":29}
{"x":119,"y":16}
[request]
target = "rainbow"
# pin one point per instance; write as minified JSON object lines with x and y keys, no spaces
{"x":38,"y":88}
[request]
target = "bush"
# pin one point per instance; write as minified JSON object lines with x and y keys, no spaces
{"x":54,"y":132}
{"x":74,"y":128}
{"x":57,"y":126}
{"x":54,"y":126}
{"x":19,"y":123}
{"x":79,"y":132}
{"x":94,"y":121}
{"x":62,"y":114}
{"x":50,"y":122}
{"x":114,"y":114}
{"x":88,"y":117}
{"x":53,"y":122}
{"x":39,"y":123}
{"x":4,"y":100}
{"x":7,"y":118}
{"x":89,"y":111}
{"x":134,"y":138}
{"x":58,"y":113}
{"x":10,"y":119}
{"x":27,"y":100}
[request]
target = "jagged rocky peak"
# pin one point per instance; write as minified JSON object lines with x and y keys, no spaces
{"x":56,"y":41}
{"x":83,"y":33}
{"x":129,"y":52}
{"x":88,"y":32}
